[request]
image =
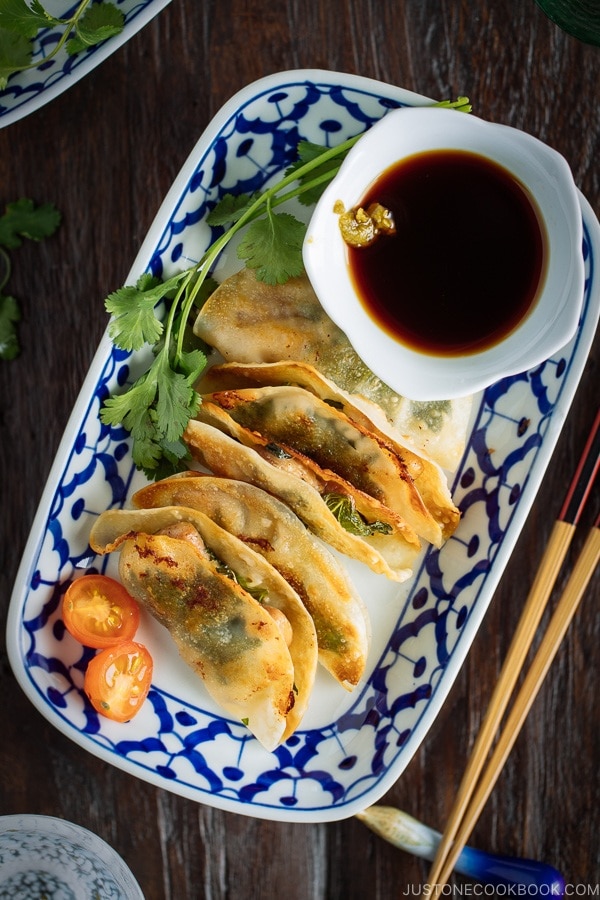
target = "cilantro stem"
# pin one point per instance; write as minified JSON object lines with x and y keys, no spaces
{"x":302,"y":188}
{"x":143,"y":408}
{"x":70,"y":25}
{"x":267,"y":198}
{"x":201,"y":270}
{"x":75,"y":17}
{"x":171,"y":314}
{"x":271,"y":197}
{"x":315,"y":163}
{"x":6,"y":262}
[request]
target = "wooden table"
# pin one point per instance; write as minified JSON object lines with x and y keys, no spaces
{"x":105,"y":153}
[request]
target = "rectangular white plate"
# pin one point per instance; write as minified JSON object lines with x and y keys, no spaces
{"x":351,"y":747}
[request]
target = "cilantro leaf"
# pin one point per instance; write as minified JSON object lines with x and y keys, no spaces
{"x":175,"y":457}
{"x":273,"y":246}
{"x":15,"y":54}
{"x":20,"y":21}
{"x":176,"y":401}
{"x":16,"y":15}
{"x":131,"y":408}
{"x":229,"y":208}
{"x":23,"y":219}
{"x":134,"y":320}
{"x":193,"y":363}
{"x":147,"y":281}
{"x":9,"y":316}
{"x":100,"y":22}
{"x":155,"y":410}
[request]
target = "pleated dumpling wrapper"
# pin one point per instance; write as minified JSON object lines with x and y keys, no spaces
{"x":273,"y":530}
{"x":428,"y":477}
{"x":256,"y":659}
{"x":250,"y":321}
{"x":295,"y":418}
{"x":371,"y":533}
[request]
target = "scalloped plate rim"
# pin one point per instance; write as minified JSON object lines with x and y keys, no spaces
{"x":553,"y":429}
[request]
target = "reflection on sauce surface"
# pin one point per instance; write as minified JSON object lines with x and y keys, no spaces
{"x":467,"y":259}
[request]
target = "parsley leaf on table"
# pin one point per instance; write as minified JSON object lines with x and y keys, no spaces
{"x":21,"y":220}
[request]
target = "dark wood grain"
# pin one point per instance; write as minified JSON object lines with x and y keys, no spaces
{"x":105,"y":153}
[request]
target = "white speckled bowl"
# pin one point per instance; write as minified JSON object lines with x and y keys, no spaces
{"x":553,"y":319}
{"x":42,"y":856}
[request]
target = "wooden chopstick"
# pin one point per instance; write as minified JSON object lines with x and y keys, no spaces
{"x":560,"y":621}
{"x":470,"y":800}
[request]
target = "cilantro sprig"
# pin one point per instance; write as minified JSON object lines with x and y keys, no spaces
{"x":21,"y":20}
{"x":157,"y":407}
{"x":22,"y":220}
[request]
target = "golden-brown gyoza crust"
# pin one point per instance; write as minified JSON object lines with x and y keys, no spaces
{"x":220,"y":629}
{"x":227,"y":449}
{"x":320,"y":431}
{"x":250,"y":321}
{"x":273,"y":530}
{"x":429,"y":478}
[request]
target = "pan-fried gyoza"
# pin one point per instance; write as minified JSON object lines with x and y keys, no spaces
{"x":271,"y":528}
{"x":303,"y":444}
{"x":235,"y":620}
{"x":249,"y":321}
{"x":293,"y":417}
{"x":370,"y":533}
{"x":428,"y":477}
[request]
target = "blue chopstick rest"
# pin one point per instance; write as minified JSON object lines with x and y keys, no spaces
{"x":498,"y":870}
{"x":412,"y":836}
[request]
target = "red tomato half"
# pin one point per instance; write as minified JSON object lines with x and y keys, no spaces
{"x":117,"y":680}
{"x":98,"y":612}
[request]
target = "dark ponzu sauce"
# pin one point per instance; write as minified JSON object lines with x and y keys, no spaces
{"x":467,"y":259}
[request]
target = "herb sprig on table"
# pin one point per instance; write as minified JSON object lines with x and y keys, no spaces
{"x":20,"y":22}
{"x":21,"y":220}
{"x":158,"y":406}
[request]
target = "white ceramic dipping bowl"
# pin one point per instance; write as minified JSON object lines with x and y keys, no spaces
{"x":552,"y":320}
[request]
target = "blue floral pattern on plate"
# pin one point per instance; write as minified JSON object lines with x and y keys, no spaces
{"x":26,"y":91}
{"x":350,"y":748}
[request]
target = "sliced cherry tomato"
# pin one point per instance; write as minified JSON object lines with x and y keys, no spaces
{"x":99,"y":612}
{"x":117,"y":680}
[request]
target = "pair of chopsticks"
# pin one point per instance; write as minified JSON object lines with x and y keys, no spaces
{"x":476,"y":787}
